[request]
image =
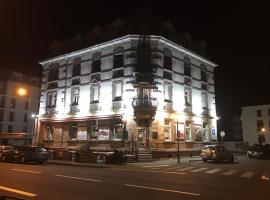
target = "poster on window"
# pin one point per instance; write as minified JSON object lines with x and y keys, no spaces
{"x":213,"y":134}
{"x":104,"y":134}
{"x":198,"y":133}
{"x":82,"y":135}
{"x":181,"y":131}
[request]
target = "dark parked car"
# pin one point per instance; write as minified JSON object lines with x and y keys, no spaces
{"x":259,"y":151}
{"x":216,"y":153}
{"x":25,"y":154}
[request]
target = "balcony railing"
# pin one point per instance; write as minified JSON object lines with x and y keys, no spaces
{"x":152,"y":102}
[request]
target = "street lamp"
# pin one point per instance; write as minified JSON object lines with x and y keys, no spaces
{"x":178,"y":139}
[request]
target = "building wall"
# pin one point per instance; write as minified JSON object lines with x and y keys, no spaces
{"x":249,"y":118}
{"x":174,"y":110}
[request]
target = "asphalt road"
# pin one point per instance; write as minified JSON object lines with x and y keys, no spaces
{"x":200,"y":181}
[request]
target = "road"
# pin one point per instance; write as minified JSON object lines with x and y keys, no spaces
{"x":241,"y":180}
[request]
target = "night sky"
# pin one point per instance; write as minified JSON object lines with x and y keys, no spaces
{"x":236,"y":34}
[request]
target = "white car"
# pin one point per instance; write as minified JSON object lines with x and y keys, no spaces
{"x":3,"y":150}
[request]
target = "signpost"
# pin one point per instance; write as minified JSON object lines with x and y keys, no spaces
{"x":222,"y":134}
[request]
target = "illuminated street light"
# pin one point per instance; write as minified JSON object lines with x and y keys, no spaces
{"x":263,"y":129}
{"x":22,"y":92}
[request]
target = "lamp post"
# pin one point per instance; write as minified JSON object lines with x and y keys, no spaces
{"x":178,"y":145}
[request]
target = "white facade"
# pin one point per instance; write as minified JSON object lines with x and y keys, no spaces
{"x":86,"y":94}
{"x":255,"y":124}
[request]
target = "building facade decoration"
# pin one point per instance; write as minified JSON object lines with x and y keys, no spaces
{"x":133,"y":89}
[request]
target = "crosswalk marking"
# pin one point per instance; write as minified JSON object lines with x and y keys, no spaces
{"x":184,"y":169}
{"x":172,"y":168}
{"x":199,"y":170}
{"x":247,"y":175}
{"x":213,"y":171}
{"x":155,"y":166}
{"x":230,"y":172}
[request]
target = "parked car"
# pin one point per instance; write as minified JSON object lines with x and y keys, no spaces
{"x":217,"y":153}
{"x":25,"y":154}
{"x":4,"y":149}
{"x":259,"y":151}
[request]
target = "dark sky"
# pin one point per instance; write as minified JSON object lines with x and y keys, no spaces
{"x":236,"y":34}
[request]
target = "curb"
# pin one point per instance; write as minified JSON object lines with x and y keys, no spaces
{"x":76,"y":164}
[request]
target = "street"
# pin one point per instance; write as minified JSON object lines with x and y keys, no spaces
{"x":240,"y":180}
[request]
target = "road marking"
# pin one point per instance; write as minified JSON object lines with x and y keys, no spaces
{"x":230,"y":172}
{"x":213,"y":171}
{"x":17,"y":191}
{"x":164,"y":190}
{"x":247,"y":175}
{"x":78,"y":178}
{"x":172,"y":168}
{"x":153,"y":171}
{"x":199,"y":170}
{"x":150,"y":166}
{"x":27,"y":171}
{"x":184,"y":169}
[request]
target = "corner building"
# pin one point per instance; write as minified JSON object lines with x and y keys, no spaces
{"x":132,"y":92}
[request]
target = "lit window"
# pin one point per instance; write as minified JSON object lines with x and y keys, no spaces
{"x":188,"y":96}
{"x":75,"y":96}
{"x":204,"y":100}
{"x":95,"y":94}
{"x":168,"y":92}
{"x":117,"y":91}
{"x":51,"y":99}
{"x":167,"y":130}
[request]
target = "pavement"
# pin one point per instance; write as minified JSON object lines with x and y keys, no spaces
{"x":184,"y":162}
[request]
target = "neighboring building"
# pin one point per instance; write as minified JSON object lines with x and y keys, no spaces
{"x":134,"y":88}
{"x":16,"y":122}
{"x":255,"y":123}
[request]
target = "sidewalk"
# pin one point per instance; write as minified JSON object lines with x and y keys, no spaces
{"x":184,"y":161}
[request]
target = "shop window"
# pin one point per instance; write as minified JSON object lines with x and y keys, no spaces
{"x":204,"y":100}
{"x":205,"y":131}
{"x":259,"y":113}
{"x":118,"y":132}
{"x":260,"y":125}
{"x":188,"y":96}
{"x":94,"y":133}
{"x":73,"y":132}
{"x":96,"y":66}
{"x":168,"y":92}
{"x":167,"y":130}
{"x":104,"y":133}
{"x":198,"y":133}
{"x":118,"y":61}
{"x":94,"y":94}
{"x":75,"y":96}
{"x":117,"y":91}
{"x":49,"y":132}
{"x":11,"y":116}
{"x":188,"y":131}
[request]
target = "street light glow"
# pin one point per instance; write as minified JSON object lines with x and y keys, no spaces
{"x":22,"y":91}
{"x":263,"y":129}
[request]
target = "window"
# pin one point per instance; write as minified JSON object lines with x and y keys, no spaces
{"x":198,"y":133}
{"x":188,"y":131}
{"x":204,"y":86}
{"x":53,"y":74}
{"x":96,"y":66}
{"x":25,"y":117}
{"x":75,"y":96}
{"x":203,"y":76}
{"x":76,"y":69}
{"x":204,"y":100}
{"x":118,"y":74}
{"x":167,"y":75}
{"x":260,"y":125}
{"x":187,"y":70}
{"x":188,"y":96}
{"x":259,"y":113}
{"x":117,"y":91}
{"x":167,"y":130}
{"x":167,"y":62}
{"x":118,"y":61}
{"x":73,"y":132}
{"x":94,"y":94}
{"x":11,"y":116}
{"x":168,"y":92}
{"x":155,"y":135}
{"x":49,"y":132}
{"x":3,"y":100}
{"x":12,"y":103}
{"x":51,"y":100}
{"x":10,"y":129}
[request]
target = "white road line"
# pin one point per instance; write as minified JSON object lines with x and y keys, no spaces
{"x":213,"y":171}
{"x":230,"y":172}
{"x":172,"y":168}
{"x":247,"y":175}
{"x":164,"y":190}
{"x":184,"y":169}
{"x":17,"y":191}
{"x":155,"y":166}
{"x":199,"y":170}
{"x":78,"y":178}
{"x":27,"y":171}
{"x":153,"y":171}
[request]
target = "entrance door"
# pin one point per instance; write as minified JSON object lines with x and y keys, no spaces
{"x":143,"y":137}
